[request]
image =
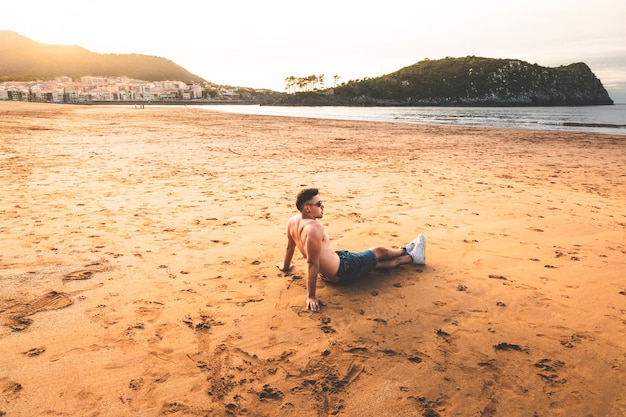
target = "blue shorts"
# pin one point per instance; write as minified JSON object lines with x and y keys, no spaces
{"x":353,"y":265}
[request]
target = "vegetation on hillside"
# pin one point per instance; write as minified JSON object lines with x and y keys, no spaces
{"x":469,"y":81}
{"x":27,"y":60}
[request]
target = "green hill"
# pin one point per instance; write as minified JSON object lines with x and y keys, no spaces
{"x":471,"y":81}
{"x":22,"y":59}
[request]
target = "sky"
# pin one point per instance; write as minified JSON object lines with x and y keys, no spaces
{"x":259,"y":43}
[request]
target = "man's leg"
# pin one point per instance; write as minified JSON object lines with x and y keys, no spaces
{"x":390,"y":258}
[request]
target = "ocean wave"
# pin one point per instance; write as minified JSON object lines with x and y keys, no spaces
{"x":602,"y":125}
{"x":584,"y":119}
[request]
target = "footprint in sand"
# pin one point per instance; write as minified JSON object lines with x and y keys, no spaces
{"x":18,"y":315}
{"x":549,"y":371}
{"x":494,"y":276}
{"x":87,"y":273}
{"x":79,"y":275}
{"x":34,"y":351}
{"x":504,"y":346}
{"x":577,"y":338}
{"x":9,"y":388}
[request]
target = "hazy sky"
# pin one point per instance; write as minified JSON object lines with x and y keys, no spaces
{"x":258,"y":43}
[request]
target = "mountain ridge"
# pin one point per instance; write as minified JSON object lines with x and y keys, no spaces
{"x":26,"y":60}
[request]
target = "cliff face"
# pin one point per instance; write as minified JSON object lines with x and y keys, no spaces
{"x":480,"y":81}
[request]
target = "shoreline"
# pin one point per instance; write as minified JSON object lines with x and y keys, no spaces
{"x":139,"y":278}
{"x":543,"y":122}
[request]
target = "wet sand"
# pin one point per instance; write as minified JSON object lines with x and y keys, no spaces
{"x":138,"y":277}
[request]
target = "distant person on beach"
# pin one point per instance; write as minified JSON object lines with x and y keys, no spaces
{"x":337,"y":267}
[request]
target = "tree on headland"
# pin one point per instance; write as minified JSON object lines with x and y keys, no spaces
{"x":309,"y":83}
{"x":319,"y":82}
{"x":290,"y":83}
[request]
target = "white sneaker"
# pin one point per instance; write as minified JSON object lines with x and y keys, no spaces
{"x":418,"y":251}
{"x":411,"y":245}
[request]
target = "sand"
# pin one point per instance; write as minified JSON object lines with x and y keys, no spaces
{"x":138,"y":267}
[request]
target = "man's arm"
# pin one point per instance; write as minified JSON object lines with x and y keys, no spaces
{"x":315,"y":234}
{"x":291,"y":247}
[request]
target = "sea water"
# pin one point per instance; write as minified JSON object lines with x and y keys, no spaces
{"x":589,"y":119}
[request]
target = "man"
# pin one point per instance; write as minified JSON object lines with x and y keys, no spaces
{"x":336,"y":267}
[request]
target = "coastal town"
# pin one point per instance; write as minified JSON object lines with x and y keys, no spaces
{"x":112,"y":89}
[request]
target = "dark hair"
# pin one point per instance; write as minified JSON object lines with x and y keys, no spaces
{"x":304,"y":196}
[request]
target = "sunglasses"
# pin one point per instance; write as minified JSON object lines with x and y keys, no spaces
{"x":318,"y":204}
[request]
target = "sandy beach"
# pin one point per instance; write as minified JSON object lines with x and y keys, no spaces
{"x":138,"y":267}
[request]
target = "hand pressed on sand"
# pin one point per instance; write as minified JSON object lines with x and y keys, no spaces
{"x":314,"y":304}
{"x":280,"y":266}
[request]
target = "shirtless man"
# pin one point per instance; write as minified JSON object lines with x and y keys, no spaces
{"x":336,"y":267}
